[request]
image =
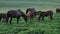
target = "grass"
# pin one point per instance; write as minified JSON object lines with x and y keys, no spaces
{"x":50,"y":27}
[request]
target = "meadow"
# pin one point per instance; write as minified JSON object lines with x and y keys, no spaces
{"x":50,"y":27}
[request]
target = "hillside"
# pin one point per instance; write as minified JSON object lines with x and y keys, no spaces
{"x":58,"y":1}
{"x":29,"y":3}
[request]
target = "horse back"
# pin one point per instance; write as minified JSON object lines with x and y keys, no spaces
{"x":48,"y":13}
{"x":14,"y":13}
{"x":30,"y":9}
{"x":3,"y":15}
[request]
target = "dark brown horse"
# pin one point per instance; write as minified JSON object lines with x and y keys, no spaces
{"x":3,"y":16}
{"x":30,"y":12}
{"x":45,"y":14}
{"x":15,"y":14}
{"x":57,"y":10}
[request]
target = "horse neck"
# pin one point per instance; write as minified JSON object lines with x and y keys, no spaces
{"x":23,"y":15}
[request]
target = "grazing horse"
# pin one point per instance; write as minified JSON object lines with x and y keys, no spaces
{"x":45,"y":14}
{"x":30,"y":12}
{"x":57,"y":10}
{"x":15,"y":14}
{"x":2,"y":16}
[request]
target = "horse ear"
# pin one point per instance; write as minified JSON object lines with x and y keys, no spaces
{"x":19,"y":10}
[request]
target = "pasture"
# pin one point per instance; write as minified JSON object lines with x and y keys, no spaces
{"x":50,"y":27}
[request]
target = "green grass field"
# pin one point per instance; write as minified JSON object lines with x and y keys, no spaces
{"x":50,"y":27}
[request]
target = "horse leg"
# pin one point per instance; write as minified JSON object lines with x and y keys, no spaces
{"x":7,"y":18}
{"x":0,"y":19}
{"x":10,"y":20}
{"x":39,"y":18}
{"x":30,"y":19}
{"x":3,"y":20}
{"x":33,"y":17}
{"x":43,"y":18}
{"x":51,"y":17}
{"x":18,"y":19}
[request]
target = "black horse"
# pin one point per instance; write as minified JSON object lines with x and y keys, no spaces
{"x":30,"y":13}
{"x":15,"y":14}
{"x":57,"y":10}
{"x":45,"y":14}
{"x":3,"y":16}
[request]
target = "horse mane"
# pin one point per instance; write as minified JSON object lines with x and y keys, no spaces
{"x":28,"y":14}
{"x":30,"y":9}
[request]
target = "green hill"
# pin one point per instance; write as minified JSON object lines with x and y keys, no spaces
{"x":58,"y":1}
{"x":29,"y":2}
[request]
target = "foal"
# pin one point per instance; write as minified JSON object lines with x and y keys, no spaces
{"x":45,"y":14}
{"x":30,"y":13}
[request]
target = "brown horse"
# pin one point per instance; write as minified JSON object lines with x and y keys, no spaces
{"x":57,"y":10}
{"x":3,"y":16}
{"x":45,"y":14}
{"x":30,"y":13}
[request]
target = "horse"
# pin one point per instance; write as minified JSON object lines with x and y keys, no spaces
{"x":45,"y":14}
{"x":30,"y":13}
{"x":57,"y":10}
{"x":15,"y":14}
{"x":3,"y":16}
